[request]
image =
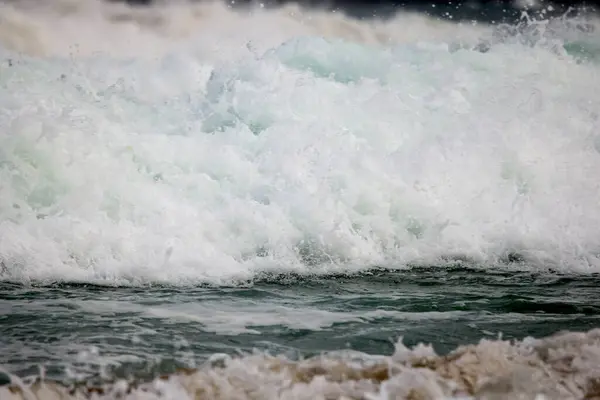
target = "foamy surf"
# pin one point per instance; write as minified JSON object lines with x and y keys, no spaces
{"x":188,"y":143}
{"x":563,"y":366}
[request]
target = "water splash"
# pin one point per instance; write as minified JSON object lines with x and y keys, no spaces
{"x":325,"y":144}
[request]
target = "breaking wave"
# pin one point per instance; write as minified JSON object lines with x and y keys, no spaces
{"x":193,"y":143}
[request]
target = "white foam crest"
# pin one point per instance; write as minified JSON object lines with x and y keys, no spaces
{"x":563,"y":366}
{"x":316,"y":155}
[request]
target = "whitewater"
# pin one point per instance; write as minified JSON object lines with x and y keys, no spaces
{"x":232,"y":154}
{"x":201,"y":145}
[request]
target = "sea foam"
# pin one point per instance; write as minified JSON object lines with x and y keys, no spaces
{"x":192,"y":143}
{"x":563,"y":366}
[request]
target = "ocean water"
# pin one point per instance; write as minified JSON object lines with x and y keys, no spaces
{"x":209,"y":203}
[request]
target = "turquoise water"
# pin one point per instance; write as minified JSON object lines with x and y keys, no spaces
{"x":175,"y":193}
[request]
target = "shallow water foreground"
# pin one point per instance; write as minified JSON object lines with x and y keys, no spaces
{"x":559,"y":367}
{"x":289,"y":337}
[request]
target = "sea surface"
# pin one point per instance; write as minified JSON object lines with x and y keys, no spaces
{"x":206,"y":202}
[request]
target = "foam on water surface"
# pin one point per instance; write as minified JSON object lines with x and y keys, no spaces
{"x":210,"y":153}
{"x":564,"y":366}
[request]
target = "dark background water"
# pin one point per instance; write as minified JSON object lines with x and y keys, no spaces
{"x":154,"y":329}
{"x":480,"y":10}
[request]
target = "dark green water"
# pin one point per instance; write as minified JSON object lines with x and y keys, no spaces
{"x":83,"y":331}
